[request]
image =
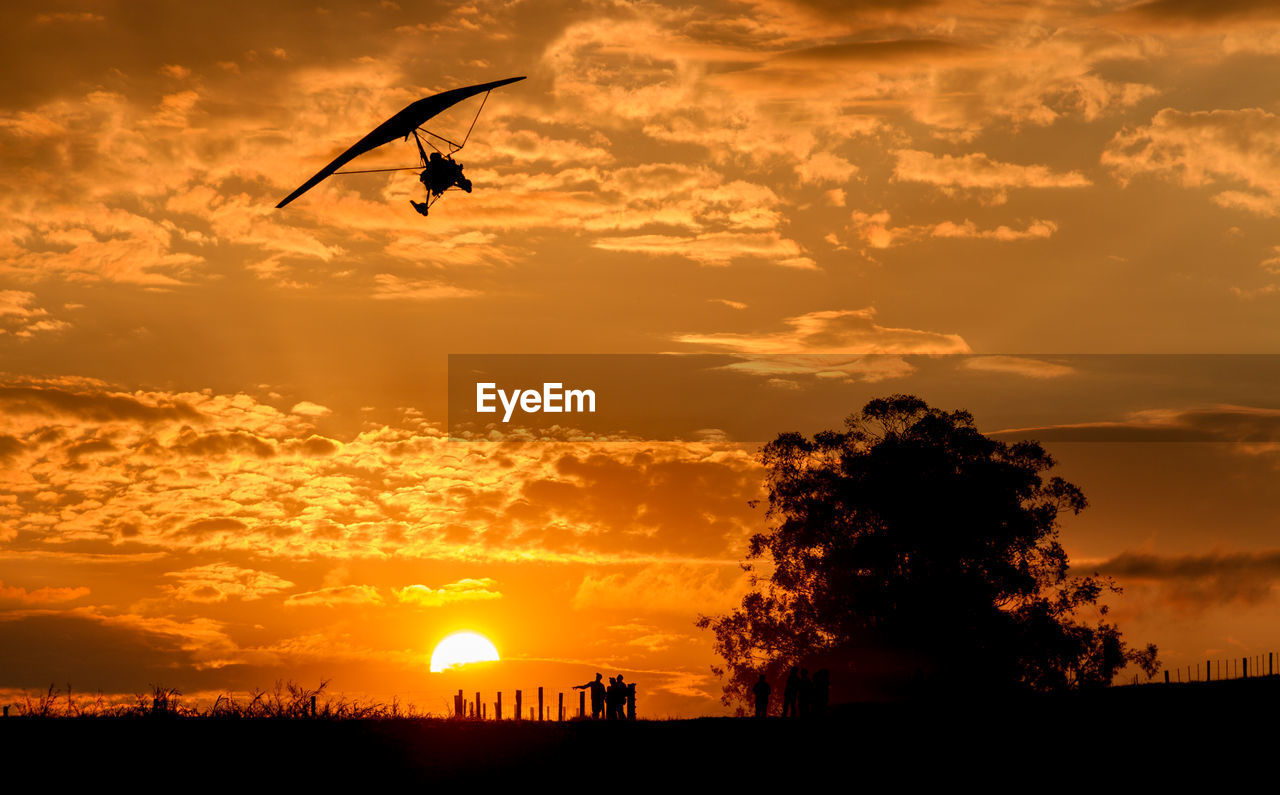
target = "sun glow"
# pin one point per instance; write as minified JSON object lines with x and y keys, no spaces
{"x":461,"y":648}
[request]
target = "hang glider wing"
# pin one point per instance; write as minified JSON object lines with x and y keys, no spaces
{"x":398,"y":126}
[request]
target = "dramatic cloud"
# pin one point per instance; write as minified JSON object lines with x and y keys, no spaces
{"x":979,"y":172}
{"x":20,"y":316}
{"x":1197,"y":582}
{"x":335,"y":596}
{"x":468,"y":590}
{"x":1018,"y":365}
{"x":668,"y":589}
{"x":1252,"y":429}
{"x":1235,"y":153}
{"x":218,"y":582}
{"x":199,"y":471}
{"x":832,"y":332}
{"x":874,"y":229}
{"x":40,"y":597}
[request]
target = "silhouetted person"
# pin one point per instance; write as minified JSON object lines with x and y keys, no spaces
{"x":762,"y":691}
{"x":619,"y":698}
{"x":791,"y":693}
{"x":804,"y":694}
{"x":611,"y":699}
{"x":821,"y":691}
{"x":597,"y":695}
{"x":631,"y":701}
{"x":443,"y":173}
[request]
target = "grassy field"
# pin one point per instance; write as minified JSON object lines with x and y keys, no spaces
{"x":921,"y":744}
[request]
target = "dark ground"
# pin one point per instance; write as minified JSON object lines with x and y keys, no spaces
{"x":1129,"y":735}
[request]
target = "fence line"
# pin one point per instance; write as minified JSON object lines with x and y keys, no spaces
{"x":1250,"y":666}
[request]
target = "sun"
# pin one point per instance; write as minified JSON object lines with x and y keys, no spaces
{"x":461,"y":648}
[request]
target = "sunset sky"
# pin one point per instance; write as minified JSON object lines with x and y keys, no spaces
{"x":223,"y":448}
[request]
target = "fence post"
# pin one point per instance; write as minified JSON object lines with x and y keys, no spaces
{"x":479,"y":708}
{"x":582,"y":703}
{"x":1166,"y":676}
{"x":1244,"y":668}
{"x":560,"y":712}
{"x":497,"y":712}
{"x":313,"y":706}
{"x":518,"y":697}
{"x":539,"y":703}
{"x":6,"y":710}
{"x":1271,"y":663}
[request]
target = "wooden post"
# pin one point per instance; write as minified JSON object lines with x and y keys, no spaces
{"x":6,"y":710}
{"x":459,"y":708}
{"x":560,"y":712}
{"x":582,"y":703}
{"x":518,"y":696}
{"x":497,"y":711}
{"x":479,"y":713}
{"x":1207,"y":670}
{"x":539,"y":703}
{"x":1244,"y":666}
{"x":1166,"y":676}
{"x":313,"y":706}
{"x":1271,"y":663}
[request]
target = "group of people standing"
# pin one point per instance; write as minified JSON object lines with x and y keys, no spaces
{"x":802,"y":696}
{"x":617,"y":700}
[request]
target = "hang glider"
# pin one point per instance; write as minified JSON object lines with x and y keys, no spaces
{"x":439,"y":171}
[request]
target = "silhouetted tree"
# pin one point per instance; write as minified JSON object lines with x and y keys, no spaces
{"x":912,"y":544}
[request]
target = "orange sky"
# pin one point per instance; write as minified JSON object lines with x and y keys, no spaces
{"x":222,"y":426}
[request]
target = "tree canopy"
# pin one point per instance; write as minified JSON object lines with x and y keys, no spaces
{"x":911,"y":551}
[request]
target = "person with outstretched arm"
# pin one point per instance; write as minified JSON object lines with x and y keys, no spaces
{"x":597,"y":695}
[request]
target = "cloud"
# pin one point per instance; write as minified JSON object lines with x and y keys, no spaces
{"x":218,"y":582}
{"x":20,"y":317}
{"x":69,"y":17}
{"x":467,"y":590}
{"x":222,"y":473}
{"x":1233,"y":152}
{"x":980,"y":173}
{"x":308,"y":409}
{"x":1195,"y":582}
{"x":40,"y":597}
{"x":393,"y":288}
{"x":658,"y":589}
{"x":648,"y":637}
{"x":842,"y":331}
{"x":822,"y":167}
{"x":336,"y":595}
{"x":716,"y":248}
{"x":875,"y":231}
{"x":1255,"y":430}
{"x":1018,"y":365}
{"x":1200,"y":12}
